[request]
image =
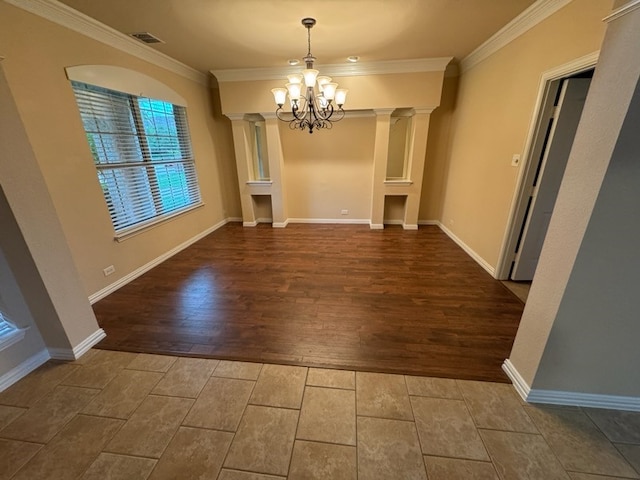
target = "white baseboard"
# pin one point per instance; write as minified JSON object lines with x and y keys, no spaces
{"x":24,"y":369}
{"x":408,"y":226}
{"x":519,"y":384}
{"x":349,"y":221}
{"x":577,"y":399}
{"x":481,"y":261}
{"x":234,"y":220}
{"x":280,"y":224}
{"x":100,"y":294}
{"x":249,"y":224}
{"x":429,"y":222}
{"x":376,"y":226}
{"x":80,"y":349}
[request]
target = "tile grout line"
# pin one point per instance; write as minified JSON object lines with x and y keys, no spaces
{"x":415,"y":427}
{"x":244,"y":411}
{"x":295,"y":434}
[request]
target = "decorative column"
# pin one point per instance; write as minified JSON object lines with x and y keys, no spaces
{"x":415,"y":168}
{"x":276,"y":170}
{"x":380,"y":153}
{"x":243,"y":150}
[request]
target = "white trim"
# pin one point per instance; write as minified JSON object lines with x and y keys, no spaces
{"x":376,"y":226}
{"x":234,"y":219}
{"x":392,"y":221}
{"x":280,"y":224}
{"x":481,"y":261}
{"x":359,"y":113}
{"x":250,"y":224}
{"x":100,"y":294}
{"x":510,"y":237}
{"x":519,"y":383}
{"x":410,"y":226}
{"x":416,"y":65}
{"x":528,"y":19}
{"x":24,"y":369}
{"x":66,"y":16}
{"x":398,"y":183}
{"x":622,"y":11}
{"x":578,"y":399}
{"x":260,"y":183}
{"x":429,"y":222}
{"x":80,"y":349}
{"x":350,"y":221}
{"x":12,"y":337}
{"x":559,"y":397}
{"x":124,"y":80}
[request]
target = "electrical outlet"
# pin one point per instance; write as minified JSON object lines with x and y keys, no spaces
{"x":344,"y":212}
{"x":515,"y":160}
{"x":109,"y":270}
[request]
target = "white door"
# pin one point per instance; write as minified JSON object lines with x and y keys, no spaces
{"x":550,"y":172}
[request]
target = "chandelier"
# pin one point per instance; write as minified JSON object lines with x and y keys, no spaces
{"x":310,"y":110}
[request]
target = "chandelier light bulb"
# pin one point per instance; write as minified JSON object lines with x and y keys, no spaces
{"x":294,"y":89}
{"x":341,"y":96}
{"x":322,"y":79}
{"x":279,"y":95}
{"x":310,"y":76}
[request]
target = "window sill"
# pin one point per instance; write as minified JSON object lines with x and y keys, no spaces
{"x":132,"y":232}
{"x":12,"y":337}
{"x":259,"y":183}
{"x":398,"y":182}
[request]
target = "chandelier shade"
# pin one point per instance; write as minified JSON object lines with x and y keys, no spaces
{"x":315,"y":101}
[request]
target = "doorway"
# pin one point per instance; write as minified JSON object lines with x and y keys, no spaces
{"x":559,"y":107}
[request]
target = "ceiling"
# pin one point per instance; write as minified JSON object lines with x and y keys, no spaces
{"x":229,"y":34}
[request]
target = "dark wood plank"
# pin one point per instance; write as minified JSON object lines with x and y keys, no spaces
{"x":337,"y":296}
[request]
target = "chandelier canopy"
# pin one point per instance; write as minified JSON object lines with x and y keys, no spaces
{"x":310,"y":110}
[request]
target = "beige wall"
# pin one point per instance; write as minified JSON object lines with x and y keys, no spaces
{"x":438,"y":145}
{"x":35,"y":247}
{"x":394,"y":90}
{"x":36,"y":53}
{"x":333,"y":170}
{"x":493,"y":111}
{"x":13,"y":304}
{"x":579,"y":330}
{"x":330,"y":170}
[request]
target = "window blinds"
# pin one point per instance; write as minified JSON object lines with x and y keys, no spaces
{"x":142,"y":151}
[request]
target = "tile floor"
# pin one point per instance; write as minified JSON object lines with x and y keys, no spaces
{"x":116,"y":415}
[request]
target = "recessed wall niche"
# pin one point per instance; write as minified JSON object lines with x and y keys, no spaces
{"x":394,"y":209}
{"x":259,"y":150}
{"x":262,"y":208}
{"x":399,"y":144}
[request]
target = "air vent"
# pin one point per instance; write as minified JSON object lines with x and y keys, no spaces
{"x":146,"y":37}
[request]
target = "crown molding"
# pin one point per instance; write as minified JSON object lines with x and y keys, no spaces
{"x":339,"y":70}
{"x":533,"y":15}
{"x":66,"y":16}
{"x":622,"y":11}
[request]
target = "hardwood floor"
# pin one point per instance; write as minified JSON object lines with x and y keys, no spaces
{"x":340,"y":296}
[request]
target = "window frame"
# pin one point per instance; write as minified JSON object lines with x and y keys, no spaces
{"x":160,"y":202}
{"x":10,"y":334}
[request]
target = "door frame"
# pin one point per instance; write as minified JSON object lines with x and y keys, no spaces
{"x":526,"y":174}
